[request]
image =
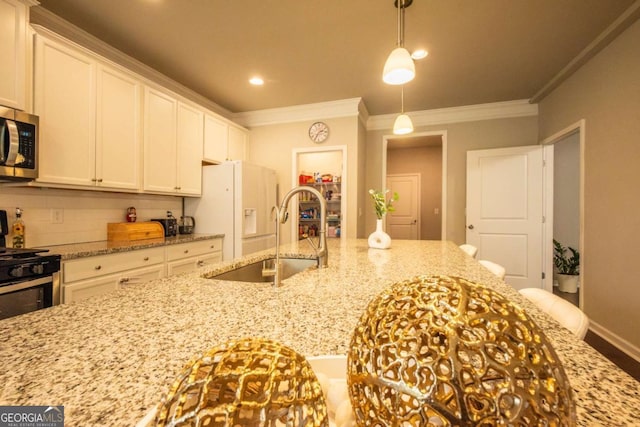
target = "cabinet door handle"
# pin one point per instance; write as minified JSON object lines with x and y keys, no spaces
{"x":124,"y":280}
{"x":146,"y":258}
{"x":470,"y":227}
{"x":200,"y":263}
{"x":97,"y":267}
{"x":186,"y":251}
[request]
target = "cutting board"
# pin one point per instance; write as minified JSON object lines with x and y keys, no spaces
{"x":132,"y":231}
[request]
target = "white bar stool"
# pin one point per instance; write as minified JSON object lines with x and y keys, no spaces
{"x":567,"y":314}
{"x":496,"y":269}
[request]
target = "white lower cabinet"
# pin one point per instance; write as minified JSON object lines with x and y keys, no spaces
{"x":86,"y":277}
{"x":188,"y":257}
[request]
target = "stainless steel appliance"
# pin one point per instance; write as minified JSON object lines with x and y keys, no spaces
{"x":186,"y":225}
{"x":28,"y":281}
{"x":170,"y":224}
{"x":18,"y":145}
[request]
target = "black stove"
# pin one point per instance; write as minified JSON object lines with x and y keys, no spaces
{"x":20,"y":264}
{"x":28,"y":277}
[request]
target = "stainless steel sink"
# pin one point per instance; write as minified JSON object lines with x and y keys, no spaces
{"x":253,"y":272}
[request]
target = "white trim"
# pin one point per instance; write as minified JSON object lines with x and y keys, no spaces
{"x":579,"y":126}
{"x":443,"y":134}
{"x":344,"y":181}
{"x":615,"y":340}
{"x":617,"y":27}
{"x":355,"y":107}
{"x":547,"y":211}
{"x":298,"y":113}
{"x":467,"y":113}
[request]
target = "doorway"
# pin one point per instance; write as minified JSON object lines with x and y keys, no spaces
{"x":422,"y":153}
{"x":324,"y":169}
{"x":564,"y":186}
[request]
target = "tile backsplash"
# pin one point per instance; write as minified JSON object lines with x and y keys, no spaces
{"x":54,"y":217}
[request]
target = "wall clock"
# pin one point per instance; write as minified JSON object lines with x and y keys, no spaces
{"x":319,"y":132}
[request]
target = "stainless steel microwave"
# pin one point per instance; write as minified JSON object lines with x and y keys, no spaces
{"x":18,"y":145}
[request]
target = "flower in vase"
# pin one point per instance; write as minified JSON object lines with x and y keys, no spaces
{"x":381,"y":203}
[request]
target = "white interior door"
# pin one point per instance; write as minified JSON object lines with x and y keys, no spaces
{"x":404,"y":222}
{"x":505,"y":210}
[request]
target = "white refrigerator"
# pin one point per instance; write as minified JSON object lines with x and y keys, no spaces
{"x":237,"y":198}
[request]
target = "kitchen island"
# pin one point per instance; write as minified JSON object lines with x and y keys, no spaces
{"x":108,"y":359}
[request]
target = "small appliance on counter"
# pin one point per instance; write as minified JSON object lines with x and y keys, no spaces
{"x":170,"y":224}
{"x":28,"y":281}
{"x":186,"y":225}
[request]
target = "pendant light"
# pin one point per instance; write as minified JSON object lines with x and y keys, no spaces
{"x":399,"y":68}
{"x":403,"y":124}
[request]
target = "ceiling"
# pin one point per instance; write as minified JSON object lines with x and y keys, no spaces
{"x":311,"y":51}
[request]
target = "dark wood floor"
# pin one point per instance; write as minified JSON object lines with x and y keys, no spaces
{"x":608,"y":350}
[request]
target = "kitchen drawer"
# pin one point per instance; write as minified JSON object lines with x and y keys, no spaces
{"x":86,"y":268}
{"x":188,"y":265}
{"x":186,"y":250}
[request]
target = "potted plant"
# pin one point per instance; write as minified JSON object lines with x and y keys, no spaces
{"x":567,"y":262}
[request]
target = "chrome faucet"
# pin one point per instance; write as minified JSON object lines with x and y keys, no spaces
{"x":276,"y":270}
{"x":281,"y":217}
{"x":321,"y":249}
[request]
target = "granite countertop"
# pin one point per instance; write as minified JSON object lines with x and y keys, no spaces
{"x":108,"y":359}
{"x":104,"y":247}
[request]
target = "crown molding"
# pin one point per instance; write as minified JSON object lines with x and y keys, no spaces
{"x":624,"y":21}
{"x":50,"y":22}
{"x":467,"y":113}
{"x":297,"y":113}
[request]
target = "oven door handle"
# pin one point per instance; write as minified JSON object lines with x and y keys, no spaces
{"x":25,"y":285}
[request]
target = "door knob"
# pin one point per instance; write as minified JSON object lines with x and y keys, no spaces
{"x":470,"y":227}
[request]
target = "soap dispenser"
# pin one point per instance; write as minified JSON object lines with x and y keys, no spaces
{"x":18,"y":231}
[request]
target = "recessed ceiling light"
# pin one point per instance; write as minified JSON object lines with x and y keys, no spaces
{"x":419,"y":54}
{"x":256,"y":81}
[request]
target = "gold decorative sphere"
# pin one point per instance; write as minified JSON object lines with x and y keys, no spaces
{"x":443,"y":351}
{"x":249,"y":382}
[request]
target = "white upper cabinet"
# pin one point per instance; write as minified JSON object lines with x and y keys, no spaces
{"x":89,"y":119}
{"x":216,"y":136}
{"x":237,"y":143}
{"x":189,"y":158}
{"x":118,"y":130}
{"x":223,"y":141}
{"x":172,"y":145}
{"x":13,"y":36}
{"x":159,"y":141}
{"x":64,"y":98}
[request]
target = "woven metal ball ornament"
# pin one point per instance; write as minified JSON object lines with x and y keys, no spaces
{"x":443,"y":351}
{"x":249,"y":382}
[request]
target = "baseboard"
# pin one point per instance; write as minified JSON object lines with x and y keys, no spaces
{"x":622,"y":344}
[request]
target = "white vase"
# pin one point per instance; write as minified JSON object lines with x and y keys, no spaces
{"x":568,"y":283}
{"x":379,"y":239}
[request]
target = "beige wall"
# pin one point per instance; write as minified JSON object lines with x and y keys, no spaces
{"x":566,"y":191}
{"x":85,"y":213}
{"x":460,"y":138}
{"x":272,"y":146}
{"x":427,"y":161}
{"x":605,"y":92}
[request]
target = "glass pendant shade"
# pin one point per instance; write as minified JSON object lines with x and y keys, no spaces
{"x":402,"y":125}
{"x":399,"y":68}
